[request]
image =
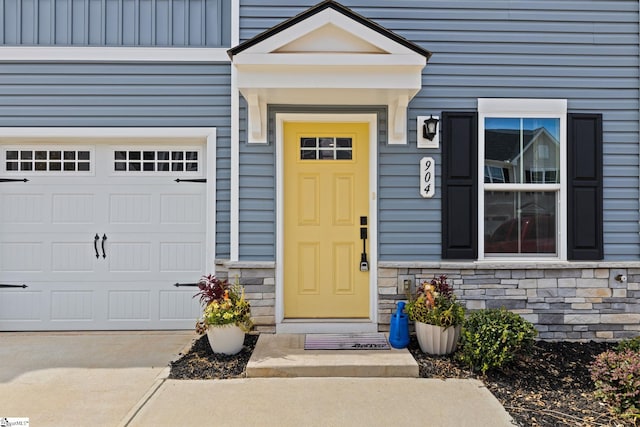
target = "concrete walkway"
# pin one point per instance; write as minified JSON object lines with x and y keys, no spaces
{"x":326,"y":402}
{"x":119,"y":379}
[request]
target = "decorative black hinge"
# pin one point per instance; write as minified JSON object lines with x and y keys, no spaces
{"x":177,"y":285}
{"x":13,"y":286}
{"x":14,"y":180}
{"x":191,"y":180}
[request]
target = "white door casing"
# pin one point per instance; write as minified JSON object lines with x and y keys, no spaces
{"x":327,"y":325}
{"x":152,"y":232}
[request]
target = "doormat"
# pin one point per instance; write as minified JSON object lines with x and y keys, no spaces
{"x":355,"y":341}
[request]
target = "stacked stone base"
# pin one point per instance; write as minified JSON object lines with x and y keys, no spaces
{"x":565,"y":301}
{"x":259,"y":281}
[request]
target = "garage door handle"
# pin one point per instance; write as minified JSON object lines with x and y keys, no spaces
{"x":177,"y":285}
{"x":2,"y":285}
{"x":95,"y":245}
{"x":104,"y":239}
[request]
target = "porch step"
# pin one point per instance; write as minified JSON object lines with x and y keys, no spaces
{"x":283,"y":355}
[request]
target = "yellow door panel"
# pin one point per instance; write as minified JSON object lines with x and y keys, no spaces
{"x":308,"y":199}
{"x":326,"y":188}
{"x":308,"y":278}
{"x":343,"y":193}
{"x":344,"y":258}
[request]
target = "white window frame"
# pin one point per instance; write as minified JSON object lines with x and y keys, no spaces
{"x":524,"y":108}
{"x":156,"y":147}
{"x":48,"y":147}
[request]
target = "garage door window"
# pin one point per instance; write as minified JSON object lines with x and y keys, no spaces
{"x":39,"y":160}
{"x":167,"y":160}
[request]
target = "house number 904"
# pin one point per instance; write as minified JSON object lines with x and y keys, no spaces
{"x":427,"y":177}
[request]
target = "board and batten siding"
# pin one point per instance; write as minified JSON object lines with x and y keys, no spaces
{"x":126,"y":95}
{"x":583,"y":51}
{"x":195,"y":23}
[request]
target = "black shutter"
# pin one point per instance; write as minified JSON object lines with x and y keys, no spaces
{"x":459,"y":185}
{"x":584,"y":199}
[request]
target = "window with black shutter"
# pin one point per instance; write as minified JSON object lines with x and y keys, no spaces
{"x":509,"y":193}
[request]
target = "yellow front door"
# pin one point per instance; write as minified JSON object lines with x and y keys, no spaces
{"x":326,"y":187}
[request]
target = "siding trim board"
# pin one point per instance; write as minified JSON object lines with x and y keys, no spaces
{"x":121,"y":54}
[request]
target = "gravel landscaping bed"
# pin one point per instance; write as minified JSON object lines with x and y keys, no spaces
{"x":548,"y":386}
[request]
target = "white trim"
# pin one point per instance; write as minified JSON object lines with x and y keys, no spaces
{"x":536,"y":108}
{"x":299,"y":326}
{"x":234,"y":179}
{"x":210,"y":249}
{"x":521,"y":107}
{"x":208,"y":134}
{"x":311,"y":59}
{"x":235,"y":22}
{"x":125,"y":54}
{"x":108,"y":132}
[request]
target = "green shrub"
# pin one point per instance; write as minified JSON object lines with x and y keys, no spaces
{"x":616,"y":375}
{"x":629,"y":344}
{"x":491,"y":338}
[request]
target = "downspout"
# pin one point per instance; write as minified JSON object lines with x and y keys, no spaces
{"x":638,"y":58}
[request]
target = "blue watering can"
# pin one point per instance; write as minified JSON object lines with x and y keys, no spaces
{"x":399,"y":330}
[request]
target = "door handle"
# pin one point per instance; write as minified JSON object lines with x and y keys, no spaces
{"x":104,"y":239}
{"x":364,"y":263}
{"x":95,"y":245}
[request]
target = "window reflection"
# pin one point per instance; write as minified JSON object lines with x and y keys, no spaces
{"x":520,"y":222}
{"x":522,"y":150}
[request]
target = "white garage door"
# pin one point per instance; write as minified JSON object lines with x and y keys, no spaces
{"x":99,"y":234}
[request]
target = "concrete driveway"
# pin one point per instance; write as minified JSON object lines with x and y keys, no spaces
{"x":83,"y":378}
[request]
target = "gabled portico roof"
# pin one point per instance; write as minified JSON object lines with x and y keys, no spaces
{"x":328,"y":4}
{"x":328,"y":55}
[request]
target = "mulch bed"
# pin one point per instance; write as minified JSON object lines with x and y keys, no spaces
{"x":548,"y":386}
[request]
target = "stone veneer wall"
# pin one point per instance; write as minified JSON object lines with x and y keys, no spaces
{"x":567,"y":301}
{"x":259,"y":281}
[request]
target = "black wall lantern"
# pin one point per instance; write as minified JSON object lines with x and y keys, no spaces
{"x":430,"y":128}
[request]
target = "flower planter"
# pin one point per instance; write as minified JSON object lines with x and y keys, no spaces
{"x":437,"y":340}
{"x":226,"y":339}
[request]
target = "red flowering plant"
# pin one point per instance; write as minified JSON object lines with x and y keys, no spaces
{"x":223,"y":304}
{"x":616,"y":376}
{"x":435,"y":304}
